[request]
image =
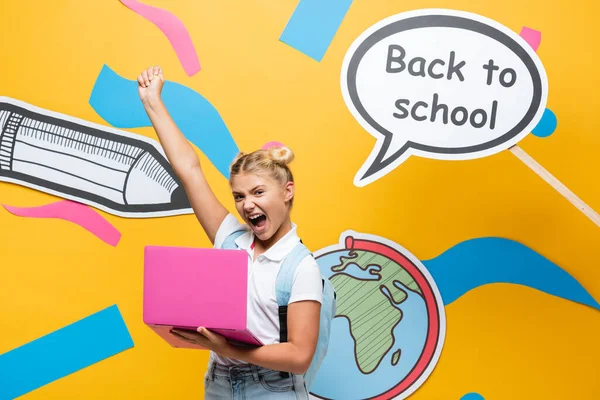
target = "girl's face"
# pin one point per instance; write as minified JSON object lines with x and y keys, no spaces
{"x":262,"y":202}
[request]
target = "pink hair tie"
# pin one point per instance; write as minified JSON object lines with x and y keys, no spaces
{"x":268,"y":145}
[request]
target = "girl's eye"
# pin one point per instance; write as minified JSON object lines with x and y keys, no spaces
{"x":238,"y":197}
{"x":259,"y":192}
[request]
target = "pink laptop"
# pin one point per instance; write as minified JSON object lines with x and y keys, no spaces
{"x":186,"y":288}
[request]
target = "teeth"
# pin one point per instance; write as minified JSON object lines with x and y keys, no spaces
{"x":254,"y":216}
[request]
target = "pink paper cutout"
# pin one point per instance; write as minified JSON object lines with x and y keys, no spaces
{"x":268,"y":145}
{"x":77,"y":213}
{"x":173,"y":29}
{"x":531,"y":36}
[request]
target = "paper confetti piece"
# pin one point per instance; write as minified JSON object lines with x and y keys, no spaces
{"x":547,"y":124}
{"x":483,"y":261}
{"x":313,"y":26}
{"x":173,"y":29}
{"x":74,"y":212}
{"x":533,"y":37}
{"x":62,"y":352}
{"x":472,"y":396}
{"x":116,"y":100}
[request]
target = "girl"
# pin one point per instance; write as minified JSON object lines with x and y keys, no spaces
{"x":263,"y":191}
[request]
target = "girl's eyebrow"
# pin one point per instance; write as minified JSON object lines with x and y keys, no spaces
{"x":251,"y":190}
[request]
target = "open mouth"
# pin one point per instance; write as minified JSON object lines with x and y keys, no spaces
{"x":258,"y":220}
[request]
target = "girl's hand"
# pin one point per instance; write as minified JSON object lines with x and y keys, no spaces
{"x":150,"y":84}
{"x":214,"y":341}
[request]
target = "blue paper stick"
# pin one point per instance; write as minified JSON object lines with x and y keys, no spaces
{"x":62,"y":352}
{"x":483,"y":261}
{"x":116,"y":100}
{"x":313,"y":25}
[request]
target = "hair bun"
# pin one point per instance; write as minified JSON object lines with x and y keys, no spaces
{"x":282,"y":155}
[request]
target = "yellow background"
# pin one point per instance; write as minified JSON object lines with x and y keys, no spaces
{"x":503,"y":341}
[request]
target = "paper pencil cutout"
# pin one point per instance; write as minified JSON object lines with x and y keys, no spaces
{"x":116,"y":171}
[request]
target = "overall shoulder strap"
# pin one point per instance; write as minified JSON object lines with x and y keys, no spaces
{"x":283,"y":287}
{"x":285,"y":277}
{"x":229,"y":242}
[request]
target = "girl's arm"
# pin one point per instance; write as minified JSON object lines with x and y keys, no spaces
{"x":180,"y":153}
{"x":293,"y":356}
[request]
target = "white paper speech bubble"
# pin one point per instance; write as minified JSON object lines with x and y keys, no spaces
{"x":441,"y":84}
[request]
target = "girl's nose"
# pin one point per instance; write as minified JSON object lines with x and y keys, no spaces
{"x":248,"y":205}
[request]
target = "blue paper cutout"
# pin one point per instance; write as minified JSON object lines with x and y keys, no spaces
{"x":482,"y":261}
{"x":116,"y":100}
{"x":547,"y":124}
{"x":313,"y":25}
{"x":472,"y":396}
{"x":62,"y":352}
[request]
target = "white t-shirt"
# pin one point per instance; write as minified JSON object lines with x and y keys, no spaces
{"x":262,"y":311}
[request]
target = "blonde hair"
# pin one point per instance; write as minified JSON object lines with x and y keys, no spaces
{"x":272,"y":161}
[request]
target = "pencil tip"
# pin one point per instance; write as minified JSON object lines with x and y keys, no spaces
{"x":179,"y":198}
